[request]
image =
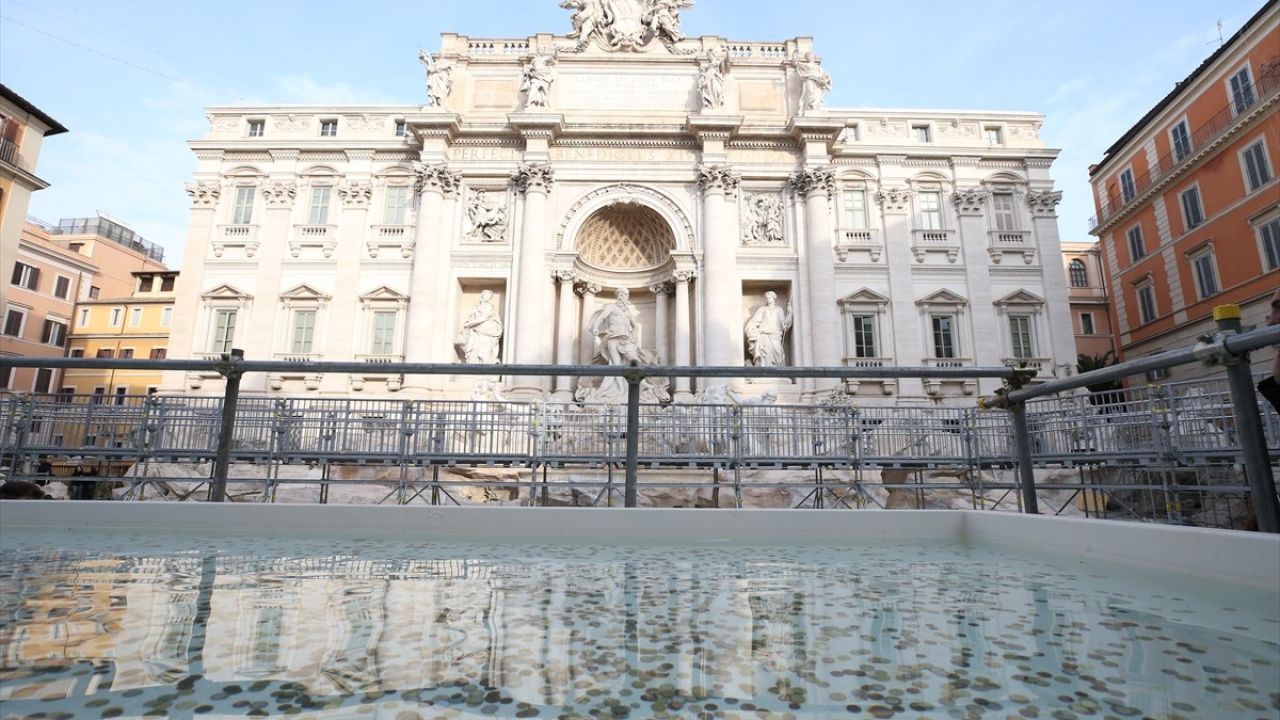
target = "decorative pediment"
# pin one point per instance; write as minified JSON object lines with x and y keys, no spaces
{"x":942,"y":297}
{"x":384,"y":295}
{"x":1020,"y":297}
{"x":304,"y":293}
{"x":226,"y":292}
{"x":865,"y":296}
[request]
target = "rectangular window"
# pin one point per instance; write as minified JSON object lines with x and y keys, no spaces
{"x":166,"y":317}
{"x":167,"y":283}
{"x":1206,"y":271}
{"x":44,"y":378}
{"x":94,"y":292}
{"x":1242,"y":96}
{"x":84,"y":317}
{"x":401,"y":128}
{"x":243,"y":213}
{"x":1006,"y":219}
{"x":13,"y":322}
{"x":54,"y":332}
{"x":105,"y":353}
{"x":1128,"y":190}
{"x":117,"y":314}
{"x":224,"y":331}
{"x":257,"y":128}
{"x":25,"y":276}
{"x":1086,"y":324}
{"x":1137,"y":250}
{"x":397,"y":205}
{"x":1146,"y":303}
{"x":158,"y":354}
{"x":921,"y":133}
{"x":384,"y":334}
{"x":1270,"y":233}
{"x":77,"y":352}
{"x":121,"y":392}
{"x":1180,"y":139}
{"x":126,"y":354}
{"x":319,"y":211}
{"x":304,"y":327}
{"x":930,"y":210}
{"x":135,"y":317}
{"x":1192,"y":210}
{"x":855,"y":209}
{"x":98,"y":393}
{"x":62,"y":287}
{"x":944,"y":336}
{"x":6,"y":377}
{"x":328,"y":128}
{"x":864,"y":336}
{"x":993,"y":135}
{"x":1020,"y":337}
{"x":1257,"y":170}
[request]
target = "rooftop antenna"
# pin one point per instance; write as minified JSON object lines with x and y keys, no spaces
{"x":1221,"y":42}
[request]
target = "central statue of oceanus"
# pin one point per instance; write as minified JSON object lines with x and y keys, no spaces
{"x":626,"y":24}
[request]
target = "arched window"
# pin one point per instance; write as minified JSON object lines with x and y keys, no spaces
{"x":1079,"y":278}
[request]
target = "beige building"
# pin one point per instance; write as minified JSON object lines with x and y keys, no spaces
{"x":23,"y":128}
{"x":40,"y":292}
{"x":1087,"y":292}
{"x":136,"y":326}
{"x":116,"y":249}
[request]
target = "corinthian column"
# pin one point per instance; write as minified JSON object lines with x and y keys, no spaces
{"x":682,"y":339}
{"x":565,"y":331}
{"x":817,"y":187}
{"x":434,"y":183}
{"x":720,"y":267}
{"x":533,"y":340}
{"x":661,"y":339}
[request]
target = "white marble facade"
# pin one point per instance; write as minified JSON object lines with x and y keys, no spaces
{"x":897,"y":237}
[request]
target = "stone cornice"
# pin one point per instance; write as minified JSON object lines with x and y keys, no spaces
{"x":536,"y":126}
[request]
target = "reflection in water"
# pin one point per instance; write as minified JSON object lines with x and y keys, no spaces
{"x":562,"y":631}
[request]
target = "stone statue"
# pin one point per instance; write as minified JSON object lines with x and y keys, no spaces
{"x":488,"y":223}
{"x":481,"y":333}
{"x":816,"y":82}
{"x":766,"y":220}
{"x":711,"y":80}
{"x":587,"y":16}
{"x":439,"y":79}
{"x":765,"y":332}
{"x":536,"y":83}
{"x":618,"y":343}
{"x":663,"y":19}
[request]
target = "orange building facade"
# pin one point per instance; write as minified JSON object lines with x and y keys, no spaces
{"x":1188,"y":200}
{"x":23,"y":128}
{"x":1090,"y":302}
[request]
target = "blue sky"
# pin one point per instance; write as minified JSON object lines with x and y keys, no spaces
{"x":130,"y":78}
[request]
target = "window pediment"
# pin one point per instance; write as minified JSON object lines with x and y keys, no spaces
{"x":304,"y":293}
{"x":384,"y":295}
{"x":1020,"y":297}
{"x":942,"y":298}
{"x":226,"y":292}
{"x":864,"y":297}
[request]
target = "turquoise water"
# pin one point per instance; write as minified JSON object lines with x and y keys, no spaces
{"x":97,"y":624}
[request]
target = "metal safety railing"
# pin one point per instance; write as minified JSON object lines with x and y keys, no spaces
{"x":1170,"y":442}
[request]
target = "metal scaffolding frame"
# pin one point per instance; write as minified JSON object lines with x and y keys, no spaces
{"x":1149,"y":452}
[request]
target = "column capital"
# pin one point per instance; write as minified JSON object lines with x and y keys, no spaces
{"x":815,"y":180}
{"x":970,"y":201}
{"x":437,"y":178}
{"x":588,"y":289}
{"x":717,"y":179}
{"x":564,"y":276}
{"x":894,"y":199}
{"x":279,"y":193}
{"x":683,"y":276}
{"x":204,"y":194}
{"x":1044,"y":203}
{"x":659,"y":288}
{"x":533,"y":177}
{"x":355,"y":194}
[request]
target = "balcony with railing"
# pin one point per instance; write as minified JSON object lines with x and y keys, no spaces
{"x":323,"y":238}
{"x":1016,"y":242}
{"x":925,"y":241}
{"x":1237,"y":111}
{"x":241,"y":237}
{"x":9,"y":153}
{"x":859,"y":240}
{"x":1042,"y":366}
{"x":390,"y":237}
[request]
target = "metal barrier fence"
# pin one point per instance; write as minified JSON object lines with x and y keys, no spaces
{"x":1171,"y":453}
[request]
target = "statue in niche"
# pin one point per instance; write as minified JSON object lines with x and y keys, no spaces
{"x":488,"y":222}
{"x":536,"y":83}
{"x":765,"y":213}
{"x":481,"y":333}
{"x":439,"y":79}
{"x":711,"y":79}
{"x":816,"y":82}
{"x":766,"y":331}
{"x":618,"y":343}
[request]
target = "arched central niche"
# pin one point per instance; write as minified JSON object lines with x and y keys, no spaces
{"x":626,"y":237}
